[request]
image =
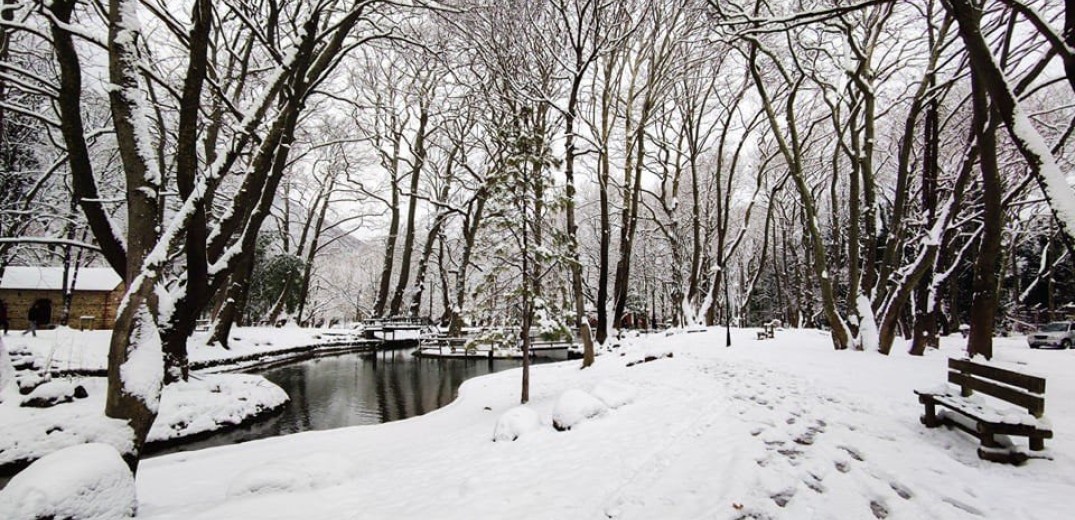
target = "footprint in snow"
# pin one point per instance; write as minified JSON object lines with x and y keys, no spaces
{"x":901,"y":490}
{"x":879,"y":510}
{"x":814,"y":483}
{"x":782,"y":498}
{"x":852,"y":452}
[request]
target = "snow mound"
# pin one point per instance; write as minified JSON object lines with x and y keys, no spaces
{"x":516,"y":422}
{"x":84,"y":482}
{"x":213,"y":402}
{"x":575,"y":406}
{"x":53,"y":393}
{"x":314,"y":471}
{"x":615,"y":394}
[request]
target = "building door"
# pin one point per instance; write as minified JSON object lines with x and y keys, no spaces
{"x":44,"y":312}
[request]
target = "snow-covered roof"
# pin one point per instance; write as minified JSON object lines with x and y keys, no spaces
{"x":51,"y":278}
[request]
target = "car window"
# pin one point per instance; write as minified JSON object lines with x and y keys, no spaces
{"x":1055,"y":327}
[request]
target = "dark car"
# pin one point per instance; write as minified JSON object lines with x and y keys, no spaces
{"x":1056,"y":334}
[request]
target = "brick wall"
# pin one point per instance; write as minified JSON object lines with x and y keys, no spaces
{"x":101,"y":305}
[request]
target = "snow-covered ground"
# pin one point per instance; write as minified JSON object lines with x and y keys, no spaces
{"x":783,"y":428}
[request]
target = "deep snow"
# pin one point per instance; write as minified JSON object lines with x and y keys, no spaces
{"x":783,"y":428}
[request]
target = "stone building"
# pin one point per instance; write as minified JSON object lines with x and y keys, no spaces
{"x":97,"y":293}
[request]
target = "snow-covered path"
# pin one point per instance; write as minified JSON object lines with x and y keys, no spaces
{"x":784,"y":428}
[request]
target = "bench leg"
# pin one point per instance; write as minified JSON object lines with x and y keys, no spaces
{"x":1037,"y":444}
{"x":930,"y":417}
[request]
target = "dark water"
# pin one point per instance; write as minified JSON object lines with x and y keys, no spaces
{"x":349,"y":390}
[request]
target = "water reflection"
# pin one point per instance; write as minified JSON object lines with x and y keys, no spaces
{"x":334,"y":392}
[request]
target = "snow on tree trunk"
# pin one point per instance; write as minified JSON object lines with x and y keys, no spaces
{"x":868,"y":338}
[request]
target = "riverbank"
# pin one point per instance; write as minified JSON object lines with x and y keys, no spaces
{"x":209,"y":403}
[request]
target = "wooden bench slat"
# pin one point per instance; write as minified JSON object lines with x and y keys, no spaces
{"x":1035,"y":405}
{"x":1031,"y":383}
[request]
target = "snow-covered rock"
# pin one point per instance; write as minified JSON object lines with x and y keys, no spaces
{"x":84,"y":482}
{"x":28,"y":381}
{"x":575,"y":406}
{"x":53,"y":393}
{"x":515,"y":423}
{"x":614,"y":394}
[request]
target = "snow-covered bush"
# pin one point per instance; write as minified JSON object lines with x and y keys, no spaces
{"x":575,"y":406}
{"x":516,"y":422}
{"x":615,"y":394}
{"x":493,"y":339}
{"x":85,"y":482}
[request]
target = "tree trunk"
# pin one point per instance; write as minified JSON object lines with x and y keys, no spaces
{"x":393,"y":231}
{"x":419,"y":151}
{"x":135,"y":364}
{"x":985,"y":301}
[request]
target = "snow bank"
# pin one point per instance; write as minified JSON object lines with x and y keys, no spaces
{"x":515,"y":423}
{"x":212,"y":402}
{"x":84,"y":482}
{"x":7,"y":372}
{"x":313,"y":471}
{"x":575,"y":406}
{"x":615,"y":394}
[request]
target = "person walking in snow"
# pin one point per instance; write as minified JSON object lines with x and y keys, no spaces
{"x":33,"y":316}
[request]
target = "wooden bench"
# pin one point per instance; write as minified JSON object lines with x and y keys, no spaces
{"x":990,"y":425}
{"x":768,"y":331}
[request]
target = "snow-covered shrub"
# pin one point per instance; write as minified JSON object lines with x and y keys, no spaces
{"x":575,"y":406}
{"x":615,"y":394}
{"x":516,"y":422}
{"x":493,"y":339}
{"x":84,"y":482}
